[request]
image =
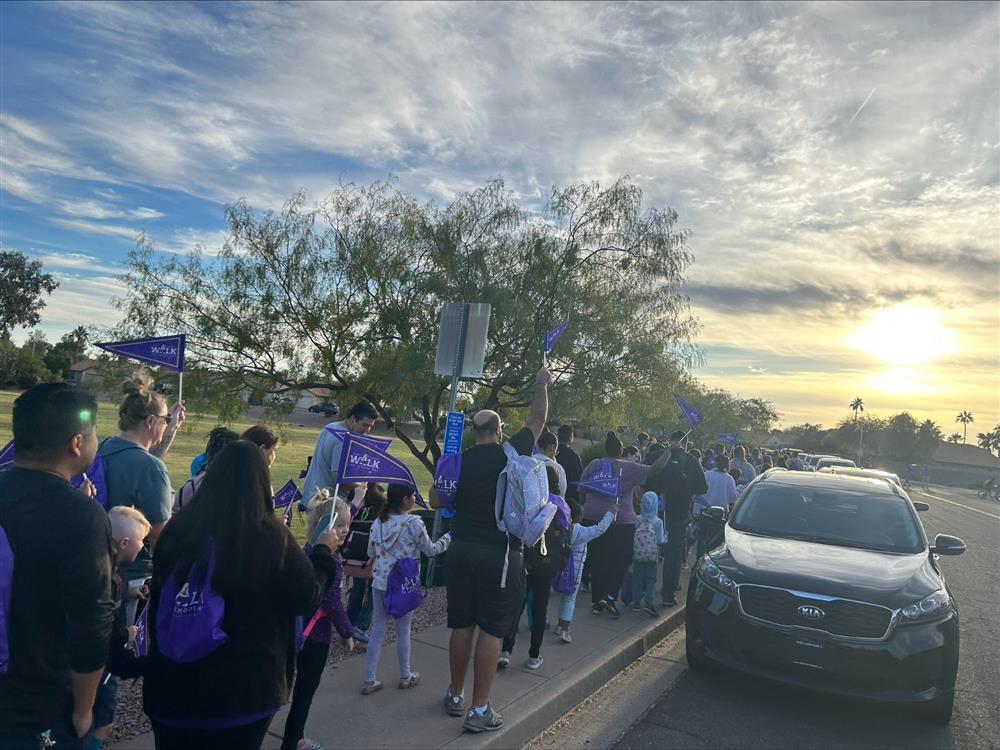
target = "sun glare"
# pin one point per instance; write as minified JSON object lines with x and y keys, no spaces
{"x":904,"y":334}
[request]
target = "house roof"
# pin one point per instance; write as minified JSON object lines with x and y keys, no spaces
{"x":83,"y":365}
{"x":967,"y":455}
{"x":320,"y":392}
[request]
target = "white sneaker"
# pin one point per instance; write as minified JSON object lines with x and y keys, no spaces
{"x":307,"y":744}
{"x":534,"y":662}
{"x":504,"y":660}
{"x":565,"y":637}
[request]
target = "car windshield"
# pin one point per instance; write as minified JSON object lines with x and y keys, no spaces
{"x":844,"y":517}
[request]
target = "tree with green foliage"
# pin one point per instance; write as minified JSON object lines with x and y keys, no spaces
{"x":23,"y":287}
{"x":72,"y":347}
{"x":965,"y":417}
{"x":346,"y":295}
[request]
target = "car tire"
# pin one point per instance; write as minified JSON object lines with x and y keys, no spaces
{"x":939,"y":711}
{"x":696,"y":658}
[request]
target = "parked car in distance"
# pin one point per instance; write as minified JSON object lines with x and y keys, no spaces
{"x":852,"y":471}
{"x":827,"y":582}
{"x":327,"y":410}
{"x":825,"y":461}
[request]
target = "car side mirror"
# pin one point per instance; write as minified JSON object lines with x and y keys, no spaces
{"x":948,"y":545}
{"x":715,"y":513}
{"x":917,"y":505}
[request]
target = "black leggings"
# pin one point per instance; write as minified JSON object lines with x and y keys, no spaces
{"x":309,"y":668}
{"x":610,"y":555}
{"x":539,"y":586}
{"x":246,"y":737}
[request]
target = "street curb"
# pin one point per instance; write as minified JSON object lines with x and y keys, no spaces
{"x":532,"y":713}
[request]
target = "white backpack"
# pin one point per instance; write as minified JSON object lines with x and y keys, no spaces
{"x":523,"y":509}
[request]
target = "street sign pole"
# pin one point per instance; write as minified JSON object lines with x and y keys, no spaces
{"x":456,"y":372}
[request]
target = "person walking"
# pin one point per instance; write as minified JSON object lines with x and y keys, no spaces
{"x":55,"y":565}
{"x":570,"y":460}
{"x":225,"y":698}
{"x":322,"y":471}
{"x":611,"y":554}
{"x":681,"y":479}
{"x":547,"y":449}
{"x":747,"y":471}
{"x":477,"y":559}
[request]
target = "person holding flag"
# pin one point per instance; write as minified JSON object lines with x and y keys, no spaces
{"x":611,"y":554}
{"x":322,"y":472}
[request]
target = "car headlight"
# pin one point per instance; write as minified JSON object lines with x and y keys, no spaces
{"x":713,"y":575}
{"x":928,"y":608}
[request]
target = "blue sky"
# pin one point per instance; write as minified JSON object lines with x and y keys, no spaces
{"x":811,"y":215}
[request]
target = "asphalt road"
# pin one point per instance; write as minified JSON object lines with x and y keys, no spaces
{"x":729,"y":711}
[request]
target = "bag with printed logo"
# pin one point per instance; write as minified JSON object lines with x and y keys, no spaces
{"x":189,"y":613}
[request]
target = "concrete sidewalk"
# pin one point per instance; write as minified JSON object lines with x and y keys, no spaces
{"x":529,"y":701}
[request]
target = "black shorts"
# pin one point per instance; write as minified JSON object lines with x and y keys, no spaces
{"x":473,"y":584}
{"x":106,"y":701}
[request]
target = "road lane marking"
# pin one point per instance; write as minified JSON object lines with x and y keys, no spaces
{"x":952,"y":502}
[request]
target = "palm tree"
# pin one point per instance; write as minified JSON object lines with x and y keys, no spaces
{"x":954,"y":438}
{"x":989,"y":441}
{"x":965,"y":417}
{"x":857,"y":405}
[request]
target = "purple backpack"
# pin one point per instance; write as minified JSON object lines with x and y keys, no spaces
{"x":6,"y":589}
{"x":565,"y":582}
{"x":189,"y":613}
{"x":403,"y":592}
{"x":446,"y":475}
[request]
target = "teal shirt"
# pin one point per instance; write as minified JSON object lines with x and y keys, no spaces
{"x":136,"y":478}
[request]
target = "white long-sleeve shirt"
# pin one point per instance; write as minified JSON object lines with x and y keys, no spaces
{"x":721,"y":489}
{"x":581,"y":536}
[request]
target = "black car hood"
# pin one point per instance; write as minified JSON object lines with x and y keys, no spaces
{"x":892,"y":580}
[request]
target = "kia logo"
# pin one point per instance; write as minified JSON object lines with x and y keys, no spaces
{"x":811,"y":612}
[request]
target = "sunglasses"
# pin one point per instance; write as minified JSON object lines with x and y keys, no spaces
{"x":165,"y":417}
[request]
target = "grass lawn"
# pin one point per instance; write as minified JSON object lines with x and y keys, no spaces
{"x":296,"y":445}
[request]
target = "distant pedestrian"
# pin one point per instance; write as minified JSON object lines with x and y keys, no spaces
{"x":266,"y":439}
{"x":547,"y":451}
{"x":747,"y":471}
{"x":569,"y":459}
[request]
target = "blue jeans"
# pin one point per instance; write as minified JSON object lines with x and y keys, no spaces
{"x":359,"y":613}
{"x":643,"y":581}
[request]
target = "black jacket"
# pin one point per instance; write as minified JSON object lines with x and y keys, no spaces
{"x":681,"y":479}
{"x":251,"y":673}
{"x":572,"y":464}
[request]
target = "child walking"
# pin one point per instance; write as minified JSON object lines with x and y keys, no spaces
{"x":396,"y":535}
{"x":580,"y":536}
{"x":646,"y":551}
{"x":319,"y":627}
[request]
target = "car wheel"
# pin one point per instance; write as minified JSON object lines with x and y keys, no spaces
{"x":696,"y":654}
{"x":940,"y":710}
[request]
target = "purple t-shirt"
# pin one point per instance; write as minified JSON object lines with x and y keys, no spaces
{"x":596,"y":505}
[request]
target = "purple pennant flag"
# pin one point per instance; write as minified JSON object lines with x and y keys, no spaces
{"x":360,"y":461}
{"x":552,"y":336}
{"x":164,"y":351}
{"x":287,"y":495}
{"x":693,"y":415}
{"x":603,"y":481}
{"x":375,"y":442}
{"x":142,"y":632}
{"x":729,"y":438}
{"x":7,"y":456}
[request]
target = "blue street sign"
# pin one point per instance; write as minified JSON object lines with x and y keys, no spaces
{"x":453,"y":432}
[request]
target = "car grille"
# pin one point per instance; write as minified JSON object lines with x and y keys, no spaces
{"x":842,"y":617}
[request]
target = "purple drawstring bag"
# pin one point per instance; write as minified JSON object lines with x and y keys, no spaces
{"x":189,"y":614}
{"x":6,"y":591}
{"x":446,"y":474}
{"x":403,"y":592}
{"x":565,"y":582}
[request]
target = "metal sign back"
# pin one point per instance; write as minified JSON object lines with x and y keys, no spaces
{"x":476,"y":325}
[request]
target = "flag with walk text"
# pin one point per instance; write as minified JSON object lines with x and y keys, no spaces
{"x":7,"y":456}
{"x":692,"y":414}
{"x":729,"y":438}
{"x":287,"y":495}
{"x":603,"y":481}
{"x":141,"y":642}
{"x":360,"y":461}
{"x":162,"y":351}
{"x":551,"y":337}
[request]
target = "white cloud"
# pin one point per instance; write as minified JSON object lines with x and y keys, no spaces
{"x":92,"y":227}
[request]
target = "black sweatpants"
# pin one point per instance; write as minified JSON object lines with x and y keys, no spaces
{"x":309,"y":668}
{"x":610,"y":556}
{"x":673,"y":557}
{"x":539,"y":587}
{"x":246,"y":737}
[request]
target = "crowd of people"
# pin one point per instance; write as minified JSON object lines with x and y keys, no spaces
{"x":107,"y":573}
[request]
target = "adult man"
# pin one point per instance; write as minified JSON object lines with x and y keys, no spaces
{"x":60,"y":616}
{"x":479,"y":557}
{"x":547,"y":454}
{"x":795,"y":463}
{"x":570,"y":460}
{"x":326,"y":455}
{"x":681,"y":479}
{"x":747,"y":471}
